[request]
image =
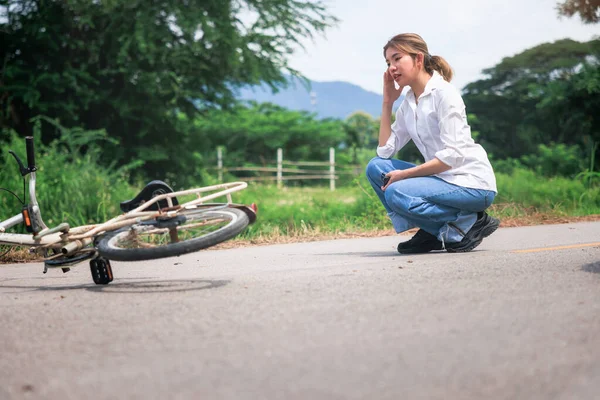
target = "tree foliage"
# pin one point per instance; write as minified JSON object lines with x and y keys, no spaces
{"x":252,"y":133}
{"x":544,"y":94}
{"x":361,"y":132}
{"x":588,"y":10}
{"x":131,"y":66}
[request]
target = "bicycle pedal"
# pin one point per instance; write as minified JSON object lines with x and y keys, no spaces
{"x":101,"y":271}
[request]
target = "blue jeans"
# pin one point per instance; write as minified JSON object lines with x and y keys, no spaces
{"x":445,"y":210}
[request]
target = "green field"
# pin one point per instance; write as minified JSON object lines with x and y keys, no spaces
{"x":308,"y":211}
{"x":72,"y":188}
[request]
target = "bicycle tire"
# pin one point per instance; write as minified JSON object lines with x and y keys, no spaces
{"x":109,"y":245}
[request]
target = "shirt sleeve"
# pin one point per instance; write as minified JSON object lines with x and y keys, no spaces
{"x":454,"y":129}
{"x":398,"y":138}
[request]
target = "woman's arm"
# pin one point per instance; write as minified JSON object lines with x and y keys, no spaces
{"x":455,"y":132}
{"x":392,"y":137}
{"x":385,"y":126}
{"x":431,"y":167}
{"x":390,"y":95}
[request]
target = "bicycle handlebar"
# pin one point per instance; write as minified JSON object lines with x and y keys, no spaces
{"x":30,"y":154}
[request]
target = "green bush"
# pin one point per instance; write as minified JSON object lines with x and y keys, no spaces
{"x":556,"y":160}
{"x":548,"y":161}
{"x":525,"y":188}
{"x":70,"y":184}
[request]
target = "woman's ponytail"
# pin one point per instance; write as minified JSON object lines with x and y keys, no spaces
{"x":440,"y":65}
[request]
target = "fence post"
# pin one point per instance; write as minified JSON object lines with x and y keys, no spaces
{"x":220,"y":163}
{"x":279,"y":167}
{"x":332,"y":168}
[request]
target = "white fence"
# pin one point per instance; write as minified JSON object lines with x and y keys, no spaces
{"x":326,"y":169}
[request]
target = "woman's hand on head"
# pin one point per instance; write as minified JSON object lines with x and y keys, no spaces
{"x":390,"y":93}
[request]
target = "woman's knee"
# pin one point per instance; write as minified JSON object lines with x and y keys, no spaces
{"x":374,"y":167}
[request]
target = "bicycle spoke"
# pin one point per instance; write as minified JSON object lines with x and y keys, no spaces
{"x":148,"y":236}
{"x":184,"y":232}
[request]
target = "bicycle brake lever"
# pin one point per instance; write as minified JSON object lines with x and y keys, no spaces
{"x":24,"y":171}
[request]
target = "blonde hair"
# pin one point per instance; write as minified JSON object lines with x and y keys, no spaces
{"x":413,"y":44}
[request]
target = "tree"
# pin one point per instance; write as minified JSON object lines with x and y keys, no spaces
{"x":131,"y":66}
{"x":588,"y":10}
{"x":360,"y":132}
{"x":573,"y":104}
{"x":252,"y":133}
{"x":509,"y":119}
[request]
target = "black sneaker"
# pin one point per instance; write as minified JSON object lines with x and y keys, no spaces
{"x":422,"y":242}
{"x":483,"y":227}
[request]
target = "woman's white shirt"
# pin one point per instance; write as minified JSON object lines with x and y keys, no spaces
{"x":438,"y":127}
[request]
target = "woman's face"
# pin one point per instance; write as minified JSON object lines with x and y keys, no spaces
{"x":401,"y":66}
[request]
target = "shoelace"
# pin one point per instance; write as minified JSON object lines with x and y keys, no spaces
{"x":447,"y":225}
{"x":442,"y":235}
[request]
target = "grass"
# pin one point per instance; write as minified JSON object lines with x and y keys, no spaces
{"x":80,"y":192}
{"x":306,"y":211}
{"x":294,"y":214}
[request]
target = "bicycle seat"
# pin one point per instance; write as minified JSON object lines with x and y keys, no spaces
{"x":152,"y":189}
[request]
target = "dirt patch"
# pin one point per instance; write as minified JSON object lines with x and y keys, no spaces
{"x":22,"y":255}
{"x":530,"y":220}
{"x":543,"y":219}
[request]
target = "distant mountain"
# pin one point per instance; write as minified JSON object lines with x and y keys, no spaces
{"x":326,"y":99}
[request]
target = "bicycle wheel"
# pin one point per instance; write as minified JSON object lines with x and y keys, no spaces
{"x":189,"y":231}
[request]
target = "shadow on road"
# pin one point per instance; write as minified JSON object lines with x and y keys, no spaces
{"x":391,"y":253}
{"x":137,"y":286}
{"x":363,"y":254}
{"x":593,"y":267}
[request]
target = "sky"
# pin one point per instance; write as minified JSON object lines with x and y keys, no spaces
{"x":471,"y":35}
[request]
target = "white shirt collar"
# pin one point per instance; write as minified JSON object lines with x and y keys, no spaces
{"x":432,"y":84}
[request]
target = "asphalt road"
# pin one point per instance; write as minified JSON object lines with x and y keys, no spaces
{"x":519,"y":318}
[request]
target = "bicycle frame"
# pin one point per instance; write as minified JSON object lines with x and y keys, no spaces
{"x":73,"y":239}
{"x":82,"y":236}
{"x":18,"y":219}
{"x":70,"y":240}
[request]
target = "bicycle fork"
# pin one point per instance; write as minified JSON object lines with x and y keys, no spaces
{"x":31,"y":215}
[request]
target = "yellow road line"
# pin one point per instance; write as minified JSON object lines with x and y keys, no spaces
{"x":573,"y":246}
